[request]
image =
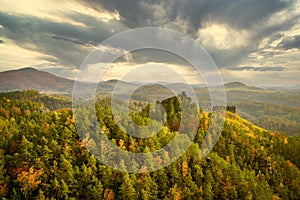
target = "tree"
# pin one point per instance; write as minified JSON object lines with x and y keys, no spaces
{"x":127,"y":190}
{"x":207,"y":188}
{"x":3,"y":178}
{"x":29,"y":180}
{"x":149,"y":188}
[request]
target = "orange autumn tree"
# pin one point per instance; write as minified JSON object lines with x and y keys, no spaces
{"x":29,"y":179}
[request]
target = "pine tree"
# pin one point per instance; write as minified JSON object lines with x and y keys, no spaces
{"x":149,"y":189}
{"x":127,"y":190}
{"x":207,"y":186}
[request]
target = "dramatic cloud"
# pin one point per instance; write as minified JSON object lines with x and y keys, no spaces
{"x":68,"y":43}
{"x":238,"y":14}
{"x":248,"y":22}
{"x":57,"y":35}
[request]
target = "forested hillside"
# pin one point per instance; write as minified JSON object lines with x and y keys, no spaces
{"x":273,"y":117}
{"x":272,"y":109}
{"x":42,"y":157}
{"x":31,"y":78}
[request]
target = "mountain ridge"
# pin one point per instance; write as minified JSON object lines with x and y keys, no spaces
{"x":32,"y":78}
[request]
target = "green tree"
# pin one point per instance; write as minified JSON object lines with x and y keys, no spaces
{"x":127,"y":190}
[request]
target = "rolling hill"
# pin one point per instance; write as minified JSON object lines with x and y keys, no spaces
{"x":45,"y":82}
{"x":30,"y":78}
{"x":273,"y":109}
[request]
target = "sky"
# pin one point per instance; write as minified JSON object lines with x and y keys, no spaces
{"x":253,"y":41}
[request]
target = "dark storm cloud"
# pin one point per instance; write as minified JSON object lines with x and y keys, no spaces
{"x":290,"y":43}
{"x":240,"y":14}
{"x":64,"y":41}
{"x":68,"y":43}
{"x":93,"y":31}
{"x":246,"y":13}
{"x":258,"y":69}
{"x":250,"y":15}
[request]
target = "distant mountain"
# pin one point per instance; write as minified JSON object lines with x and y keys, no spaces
{"x":30,"y":78}
{"x":240,"y":86}
{"x":273,"y":109}
{"x":235,"y":84}
{"x":33,"y":79}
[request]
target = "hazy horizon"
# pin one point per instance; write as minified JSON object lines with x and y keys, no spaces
{"x":295,"y":86}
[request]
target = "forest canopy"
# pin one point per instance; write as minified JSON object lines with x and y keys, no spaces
{"x":42,"y":157}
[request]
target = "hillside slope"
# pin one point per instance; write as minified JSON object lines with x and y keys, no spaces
{"x":275,"y":110}
{"x":42,"y":155}
{"x":30,"y":78}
